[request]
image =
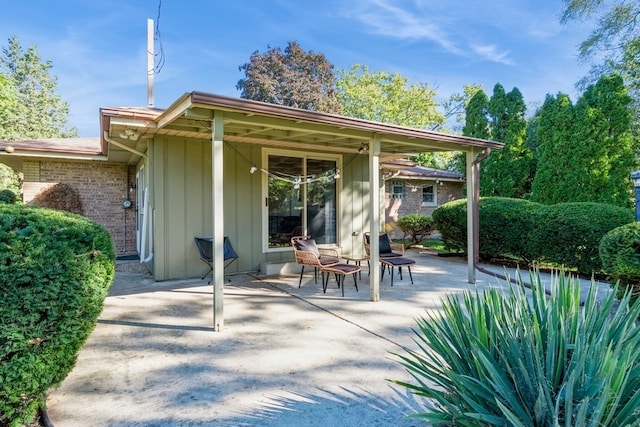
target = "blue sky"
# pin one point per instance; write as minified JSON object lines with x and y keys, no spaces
{"x":98,"y":48}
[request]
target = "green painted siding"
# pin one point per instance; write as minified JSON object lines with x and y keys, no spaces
{"x":181,"y":205}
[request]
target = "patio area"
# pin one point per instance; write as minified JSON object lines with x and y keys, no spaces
{"x":287,"y":356}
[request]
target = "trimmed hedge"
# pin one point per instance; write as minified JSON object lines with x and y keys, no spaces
{"x":569,"y":234}
{"x":55,"y":272}
{"x":566,"y":234}
{"x":620,"y":255}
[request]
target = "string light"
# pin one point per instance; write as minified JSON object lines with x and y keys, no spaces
{"x":297,"y":181}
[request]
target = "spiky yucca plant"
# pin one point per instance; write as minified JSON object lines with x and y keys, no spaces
{"x":524,"y":358}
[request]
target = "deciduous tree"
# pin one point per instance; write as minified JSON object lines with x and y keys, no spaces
{"x":614,"y":44}
{"x":37,"y":111}
{"x":294,"y":78}
{"x":387,"y":98}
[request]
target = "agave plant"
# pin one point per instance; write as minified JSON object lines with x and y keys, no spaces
{"x":525,"y":358}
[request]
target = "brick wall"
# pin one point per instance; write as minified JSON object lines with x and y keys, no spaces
{"x":102,"y":188}
{"x":412,"y":202}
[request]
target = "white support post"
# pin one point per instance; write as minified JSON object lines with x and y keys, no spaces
{"x":472,"y":191}
{"x":374,"y":217}
{"x":217,"y":196}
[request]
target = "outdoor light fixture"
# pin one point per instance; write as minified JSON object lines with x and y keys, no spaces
{"x":8,"y":149}
{"x":129,"y":134}
{"x":362,"y":148}
{"x":253,"y":169}
{"x":635,"y":177}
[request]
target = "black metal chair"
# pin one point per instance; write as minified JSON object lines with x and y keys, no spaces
{"x":205,"y":248}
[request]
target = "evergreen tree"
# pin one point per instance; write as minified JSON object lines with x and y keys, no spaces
{"x":37,"y":110}
{"x":586,"y":151}
{"x":294,"y":78}
{"x":476,"y":120}
{"x":555,"y":150}
{"x":507,"y":172}
{"x":602,"y":130}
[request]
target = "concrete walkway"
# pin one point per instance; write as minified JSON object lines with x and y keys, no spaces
{"x":286,"y":357}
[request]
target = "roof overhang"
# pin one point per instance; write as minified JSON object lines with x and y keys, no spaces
{"x":269,"y":125}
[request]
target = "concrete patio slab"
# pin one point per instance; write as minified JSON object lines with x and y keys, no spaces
{"x":287,"y":356}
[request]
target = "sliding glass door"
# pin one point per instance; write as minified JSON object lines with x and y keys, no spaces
{"x":300,"y":198}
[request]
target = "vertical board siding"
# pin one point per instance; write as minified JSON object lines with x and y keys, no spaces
{"x":182,"y":202}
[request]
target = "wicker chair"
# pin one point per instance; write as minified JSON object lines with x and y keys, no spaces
{"x":308,"y":254}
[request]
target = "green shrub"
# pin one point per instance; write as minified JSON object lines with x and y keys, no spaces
{"x":566,"y":234}
{"x":416,"y":225}
{"x":55,"y":271}
{"x":569,"y":234}
{"x":8,"y":196}
{"x":496,"y":358}
{"x":620,"y":255}
{"x":505,"y":224}
{"x":450,"y":220}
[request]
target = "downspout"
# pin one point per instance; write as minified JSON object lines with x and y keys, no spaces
{"x":476,"y":202}
{"x":476,"y":224}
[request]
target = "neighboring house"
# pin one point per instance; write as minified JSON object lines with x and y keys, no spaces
{"x":417,"y":189}
{"x":218,"y":166}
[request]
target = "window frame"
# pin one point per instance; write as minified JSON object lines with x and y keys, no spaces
{"x":434,"y":194}
{"x":393,"y":184}
{"x":266,"y":152}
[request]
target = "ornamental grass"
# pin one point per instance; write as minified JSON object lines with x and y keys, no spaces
{"x":525,"y":357}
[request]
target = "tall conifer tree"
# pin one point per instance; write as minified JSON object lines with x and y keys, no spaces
{"x":507,"y":172}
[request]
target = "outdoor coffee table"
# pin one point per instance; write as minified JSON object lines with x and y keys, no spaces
{"x":340,"y":270}
{"x":397,"y":262}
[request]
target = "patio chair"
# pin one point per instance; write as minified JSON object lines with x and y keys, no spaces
{"x":387,"y":249}
{"x":391,"y":255}
{"x":205,"y":249}
{"x":308,"y":254}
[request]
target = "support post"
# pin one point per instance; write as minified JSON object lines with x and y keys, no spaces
{"x":374,"y":217}
{"x":217,"y":197}
{"x":472,"y":223}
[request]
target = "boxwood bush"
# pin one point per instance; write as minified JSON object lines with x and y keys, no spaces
{"x":55,"y":271}
{"x":620,"y":255}
{"x":566,"y":234}
{"x":519,"y":358}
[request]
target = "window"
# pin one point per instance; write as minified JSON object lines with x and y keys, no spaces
{"x":300,"y":199}
{"x":428,"y":195}
{"x":397,"y":190}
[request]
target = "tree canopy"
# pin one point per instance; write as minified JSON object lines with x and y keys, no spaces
{"x":615,"y":41}
{"x":29,"y":104}
{"x":586,"y":151}
{"x":294,"y":78}
{"x":387,"y":98}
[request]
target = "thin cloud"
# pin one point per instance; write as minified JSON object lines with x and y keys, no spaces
{"x":391,"y":21}
{"x":493,"y":54}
